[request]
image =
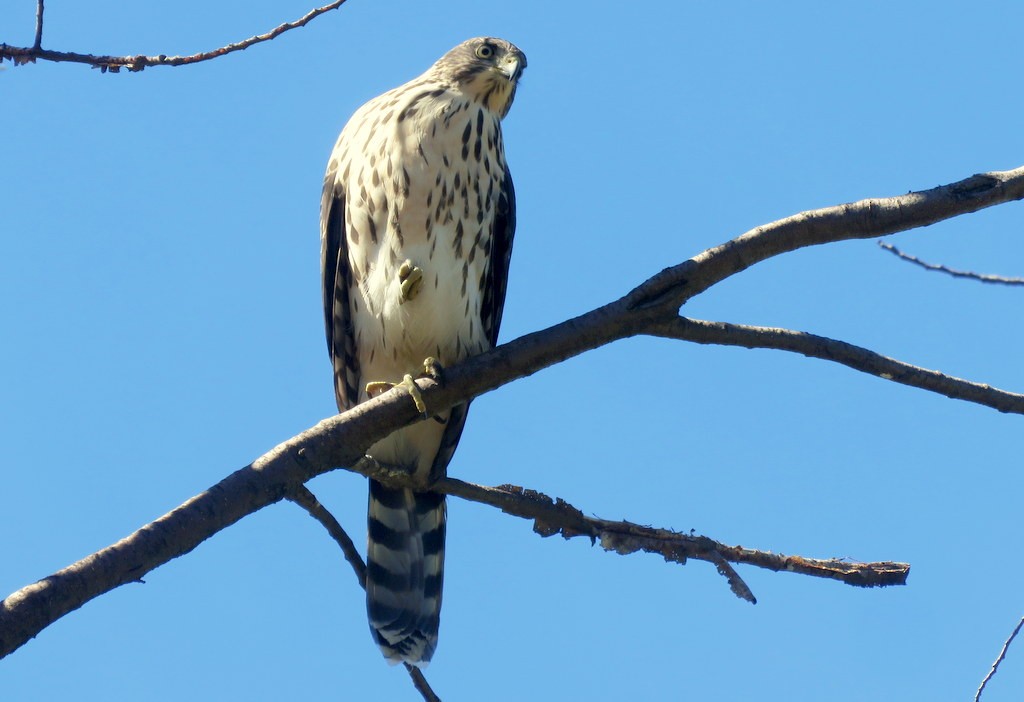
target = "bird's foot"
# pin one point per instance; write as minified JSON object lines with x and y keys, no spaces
{"x":410,"y":277}
{"x":379,"y":387}
{"x":431,"y":369}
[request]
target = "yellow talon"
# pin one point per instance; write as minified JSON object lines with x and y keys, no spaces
{"x":411,"y":279}
{"x":379,"y":386}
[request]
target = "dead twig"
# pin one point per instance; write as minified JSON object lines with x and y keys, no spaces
{"x":113,"y":64}
{"x":999,"y":659}
{"x":553,"y":516}
{"x":302,"y":496}
{"x":305,"y":499}
{"x":982,"y":277}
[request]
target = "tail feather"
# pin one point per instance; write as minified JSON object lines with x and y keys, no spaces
{"x":405,"y":571}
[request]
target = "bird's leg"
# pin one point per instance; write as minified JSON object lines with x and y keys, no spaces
{"x":411,"y":279}
{"x":431,"y":369}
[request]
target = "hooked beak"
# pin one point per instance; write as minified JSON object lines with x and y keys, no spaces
{"x":512,"y":68}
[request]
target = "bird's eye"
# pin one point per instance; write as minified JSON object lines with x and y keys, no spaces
{"x":484,"y":51}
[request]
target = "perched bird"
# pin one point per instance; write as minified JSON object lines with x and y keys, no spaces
{"x":416,"y":226}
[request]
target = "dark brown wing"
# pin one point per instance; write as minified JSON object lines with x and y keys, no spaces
{"x":335,"y":278}
{"x":495,"y":284}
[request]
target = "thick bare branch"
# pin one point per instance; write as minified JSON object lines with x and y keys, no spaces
{"x":342,"y":440}
{"x":267,"y":480}
{"x":23,"y":55}
{"x":277,"y":475}
{"x":970,"y":275}
{"x":856,"y":357}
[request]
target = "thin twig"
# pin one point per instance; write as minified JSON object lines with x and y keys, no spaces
{"x":302,"y":496}
{"x":39,"y":26}
{"x":982,"y":277}
{"x":999,"y":659}
{"x":23,"y":55}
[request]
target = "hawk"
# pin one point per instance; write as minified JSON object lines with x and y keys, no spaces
{"x":416,"y":226}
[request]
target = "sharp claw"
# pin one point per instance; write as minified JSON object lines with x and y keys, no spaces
{"x":411,"y":279}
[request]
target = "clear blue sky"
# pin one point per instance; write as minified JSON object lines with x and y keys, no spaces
{"x":159,"y":301}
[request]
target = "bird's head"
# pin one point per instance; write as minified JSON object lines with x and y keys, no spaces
{"x":486,"y":69}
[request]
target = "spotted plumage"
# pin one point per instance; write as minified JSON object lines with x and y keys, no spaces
{"x":416,"y":223}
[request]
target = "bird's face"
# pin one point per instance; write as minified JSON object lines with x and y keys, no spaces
{"x":487,"y":69}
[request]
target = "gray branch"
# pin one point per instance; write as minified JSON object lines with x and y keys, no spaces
{"x":856,"y":357}
{"x":939,"y":268}
{"x":652,"y":308}
{"x":999,"y":659}
{"x":308,"y":501}
{"x":21,"y":55}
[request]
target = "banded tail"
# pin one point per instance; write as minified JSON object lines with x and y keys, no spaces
{"x":405,"y":571}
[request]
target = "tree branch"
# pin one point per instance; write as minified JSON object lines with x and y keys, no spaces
{"x":982,"y":277}
{"x":280,"y":473}
{"x":999,"y":659}
{"x":342,"y":440}
{"x":864,"y":219}
{"x":39,"y":27}
{"x":303,"y":497}
{"x":556,"y":516}
{"x":23,"y":55}
{"x":856,"y":357}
